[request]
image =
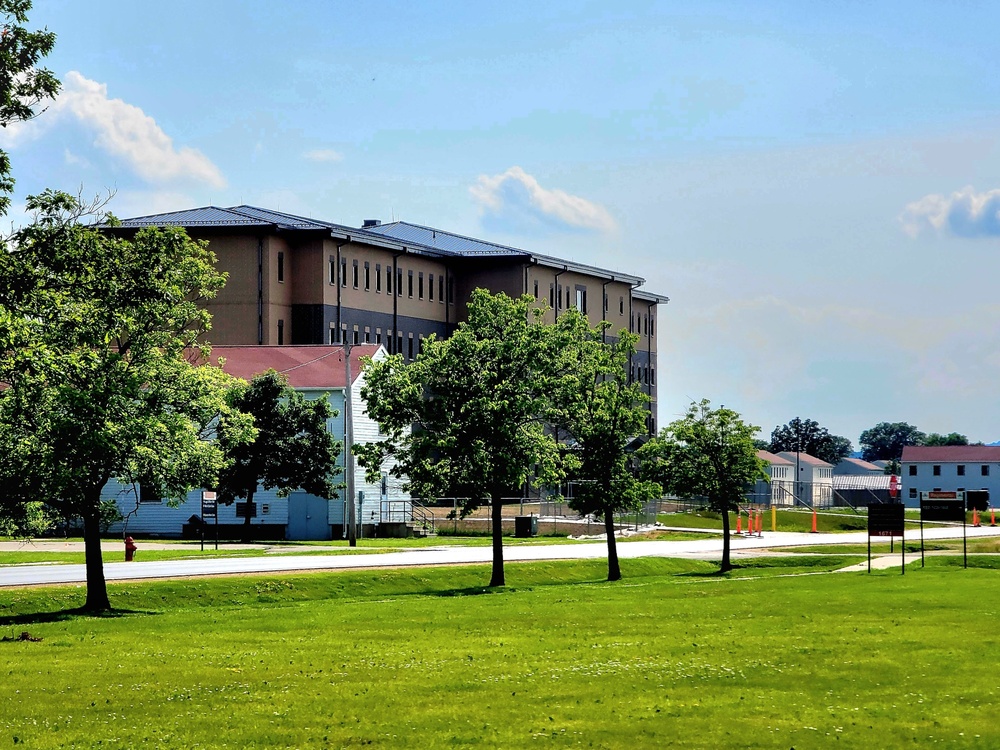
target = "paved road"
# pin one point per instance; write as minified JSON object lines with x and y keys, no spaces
{"x":26,"y":575}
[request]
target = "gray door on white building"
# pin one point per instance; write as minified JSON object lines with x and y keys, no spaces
{"x":308,"y":517}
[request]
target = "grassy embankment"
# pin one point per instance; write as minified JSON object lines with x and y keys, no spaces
{"x":673,"y":655}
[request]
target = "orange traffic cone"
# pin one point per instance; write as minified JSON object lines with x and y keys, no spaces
{"x":975,"y":517}
{"x":993,"y":517}
{"x":739,"y":522}
{"x":814,"y":523}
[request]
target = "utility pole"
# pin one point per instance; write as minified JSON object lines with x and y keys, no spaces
{"x":352,"y":526}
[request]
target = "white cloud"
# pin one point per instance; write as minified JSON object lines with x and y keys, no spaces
{"x":122,"y":130}
{"x":965,"y":213}
{"x":515,"y":197}
{"x":323,"y":155}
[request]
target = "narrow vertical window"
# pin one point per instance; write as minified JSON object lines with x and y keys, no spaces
{"x":621,"y":305}
{"x":368,"y":277}
{"x":536,"y":288}
{"x":281,"y":266}
{"x":430,"y":287}
{"x":420,"y":285}
{"x":409,"y":347}
{"x":354,"y":273}
{"x":343,"y":271}
{"x":357,"y":335}
{"x":552,"y":295}
{"x":378,"y":278}
{"x":281,"y":332}
{"x":388,"y":279}
{"x":399,"y":282}
{"x":333,"y":270}
{"x":409,"y":284}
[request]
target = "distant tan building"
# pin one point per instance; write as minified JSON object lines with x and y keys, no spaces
{"x":294,"y":280}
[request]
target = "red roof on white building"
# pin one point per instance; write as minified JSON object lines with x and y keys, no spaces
{"x":305,"y":366}
{"x":951,"y":453}
{"x":773,"y":459}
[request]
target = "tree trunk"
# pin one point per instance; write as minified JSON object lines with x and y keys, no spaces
{"x":614,"y":571}
{"x":246,"y":520}
{"x":726,"y":565}
{"x":497,"y":579}
{"x":97,"y":587}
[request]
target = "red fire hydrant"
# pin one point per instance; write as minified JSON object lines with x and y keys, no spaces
{"x":130,"y":549}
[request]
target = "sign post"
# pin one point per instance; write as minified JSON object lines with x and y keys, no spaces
{"x":887,"y":520}
{"x":209,"y":509}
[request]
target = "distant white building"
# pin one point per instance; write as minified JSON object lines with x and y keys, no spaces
{"x":968,"y":468}
{"x":316,"y":372}
{"x":814,"y":484}
{"x":779,"y":490}
{"x":855,"y":467}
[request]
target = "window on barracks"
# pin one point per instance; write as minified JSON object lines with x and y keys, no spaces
{"x":621,"y":305}
{"x":399,"y":282}
{"x":936,"y":470}
{"x":984,"y":470}
{"x":420,"y":285}
{"x":913,"y":470}
{"x":343,"y":271}
{"x":409,"y":284}
{"x":354,"y":274}
{"x":388,"y":279}
{"x":430,"y":287}
{"x":368,"y":277}
{"x":333,"y":270}
{"x":378,"y":278}
{"x":960,"y":470}
{"x":281,"y":266}
{"x":552,"y":295}
{"x":281,"y":332}
{"x":536,"y":288}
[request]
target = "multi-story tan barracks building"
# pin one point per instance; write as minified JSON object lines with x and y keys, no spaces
{"x":294,"y":280}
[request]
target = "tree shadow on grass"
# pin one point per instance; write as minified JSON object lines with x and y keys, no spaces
{"x":64,"y":615}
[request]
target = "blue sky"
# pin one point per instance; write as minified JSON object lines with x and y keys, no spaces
{"x":815,"y":186}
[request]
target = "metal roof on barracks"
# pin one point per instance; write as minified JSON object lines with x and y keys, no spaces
{"x":398,"y":235}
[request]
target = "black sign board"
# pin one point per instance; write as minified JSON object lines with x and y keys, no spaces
{"x":942,"y":509}
{"x":243,"y":508}
{"x":978,"y":500}
{"x":886,"y":519}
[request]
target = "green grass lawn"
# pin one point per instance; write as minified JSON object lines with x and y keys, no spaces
{"x":671,"y":656}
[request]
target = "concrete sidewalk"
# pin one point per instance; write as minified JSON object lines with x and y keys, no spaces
{"x":703,"y":549}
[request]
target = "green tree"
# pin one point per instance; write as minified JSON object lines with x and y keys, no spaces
{"x":23,"y":85}
{"x":952,"y":438}
{"x":806,"y":436}
{"x":886,"y":440}
{"x":96,"y":334}
{"x":293,"y":449}
{"x":708,"y":453}
{"x":600,"y":411}
{"x":476,"y":403}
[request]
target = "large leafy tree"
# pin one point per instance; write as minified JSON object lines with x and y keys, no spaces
{"x":952,"y":438}
{"x":293,"y":449}
{"x":886,"y":440}
{"x":95,"y":340}
{"x":806,"y":436}
{"x":708,"y":453}
{"x":24,"y":86}
{"x":599,"y":411}
{"x":476,"y":403}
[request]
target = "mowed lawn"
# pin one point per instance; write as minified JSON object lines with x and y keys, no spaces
{"x":671,"y":656}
